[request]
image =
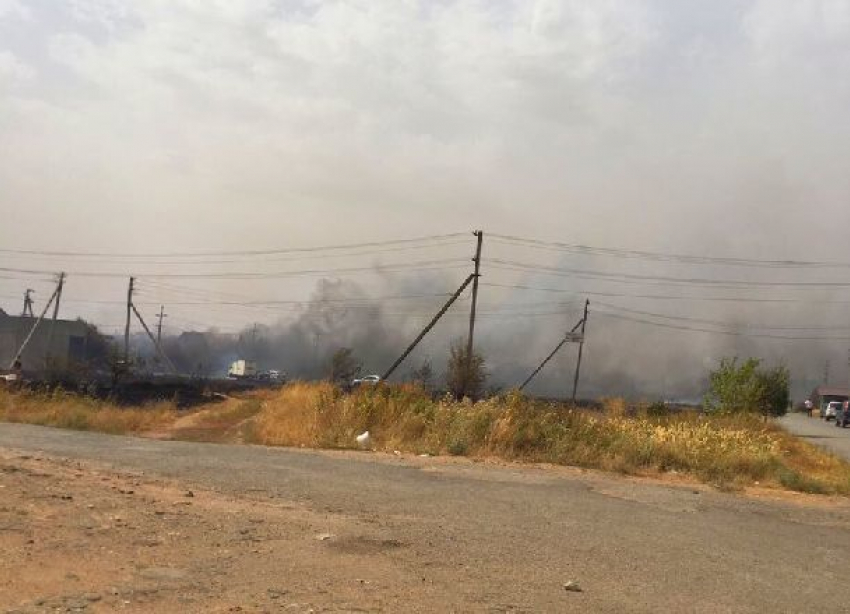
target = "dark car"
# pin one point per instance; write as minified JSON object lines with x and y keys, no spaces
{"x":842,"y":416}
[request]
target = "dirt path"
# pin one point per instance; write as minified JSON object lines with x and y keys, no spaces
{"x":103,"y":524}
{"x":218,"y":423}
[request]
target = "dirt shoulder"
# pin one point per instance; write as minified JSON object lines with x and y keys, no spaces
{"x":103,"y":523}
{"x":78,"y":536}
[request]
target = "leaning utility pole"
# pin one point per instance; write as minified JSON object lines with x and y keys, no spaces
{"x":469,"y":341}
{"x":580,"y":348}
{"x":430,"y":325}
{"x":27,"y":312}
{"x":127,"y":325}
{"x":161,"y":315}
{"x":19,"y":353}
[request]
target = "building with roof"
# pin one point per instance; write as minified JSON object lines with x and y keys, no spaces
{"x":62,"y":341}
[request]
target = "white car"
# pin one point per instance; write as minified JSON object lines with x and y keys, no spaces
{"x":831,"y":410}
{"x":368,"y":380}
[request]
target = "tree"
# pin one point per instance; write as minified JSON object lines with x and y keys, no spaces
{"x":465,"y":378}
{"x":424,"y":375}
{"x":344,"y":366}
{"x":746,"y":387}
{"x":776,"y":395}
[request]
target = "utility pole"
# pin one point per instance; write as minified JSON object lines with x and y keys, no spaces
{"x":28,"y":304}
{"x":161,"y":315}
{"x":49,"y":346}
{"x":826,"y":373}
{"x":127,"y":326}
{"x":469,"y":342}
{"x":580,"y":349}
{"x":58,"y":295}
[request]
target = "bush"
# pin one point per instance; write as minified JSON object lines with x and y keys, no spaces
{"x":739,"y":388}
{"x":344,"y":366}
{"x":465,"y":377}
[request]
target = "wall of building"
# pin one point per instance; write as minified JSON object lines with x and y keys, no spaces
{"x":67,"y":342}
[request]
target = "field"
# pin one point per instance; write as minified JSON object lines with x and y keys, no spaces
{"x":730,"y":452}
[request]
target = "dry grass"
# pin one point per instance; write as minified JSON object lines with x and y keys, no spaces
{"x":65,"y":410}
{"x":730,"y":451}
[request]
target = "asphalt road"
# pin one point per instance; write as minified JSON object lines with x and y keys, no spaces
{"x":498,"y":538}
{"x":820,"y":432}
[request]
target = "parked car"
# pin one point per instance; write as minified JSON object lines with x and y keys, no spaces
{"x":831,"y":410}
{"x":368,"y":380}
{"x":842,"y":417}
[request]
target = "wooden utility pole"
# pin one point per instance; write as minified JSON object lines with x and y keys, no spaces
{"x":430,"y":325}
{"x":580,"y":349}
{"x":470,"y":339}
{"x":161,"y":315}
{"x":58,"y":294}
{"x":127,"y":326}
{"x":28,"y":304}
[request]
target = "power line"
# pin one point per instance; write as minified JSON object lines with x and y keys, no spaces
{"x":265,"y":252}
{"x":660,"y":256}
{"x":510,"y":265}
{"x":252,"y":259}
{"x":669,"y":297}
{"x":718,"y":322}
{"x":717,"y":332}
{"x":426,"y":265}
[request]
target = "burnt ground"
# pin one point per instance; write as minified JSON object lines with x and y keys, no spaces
{"x":99,"y":523}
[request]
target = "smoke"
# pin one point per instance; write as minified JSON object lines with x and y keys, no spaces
{"x":621,"y":357}
{"x":714,"y":128}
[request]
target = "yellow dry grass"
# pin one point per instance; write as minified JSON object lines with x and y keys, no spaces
{"x":728,"y":451}
{"x":65,"y":410}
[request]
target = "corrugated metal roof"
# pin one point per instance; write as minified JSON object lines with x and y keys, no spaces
{"x":830,"y":391}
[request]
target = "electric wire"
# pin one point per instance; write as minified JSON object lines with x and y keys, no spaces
{"x":667,"y":297}
{"x":717,"y":332}
{"x":425,"y":265}
{"x":658,"y":279}
{"x":659,"y":256}
{"x":262,"y":252}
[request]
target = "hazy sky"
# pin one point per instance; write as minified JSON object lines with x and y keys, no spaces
{"x":710,"y":127}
